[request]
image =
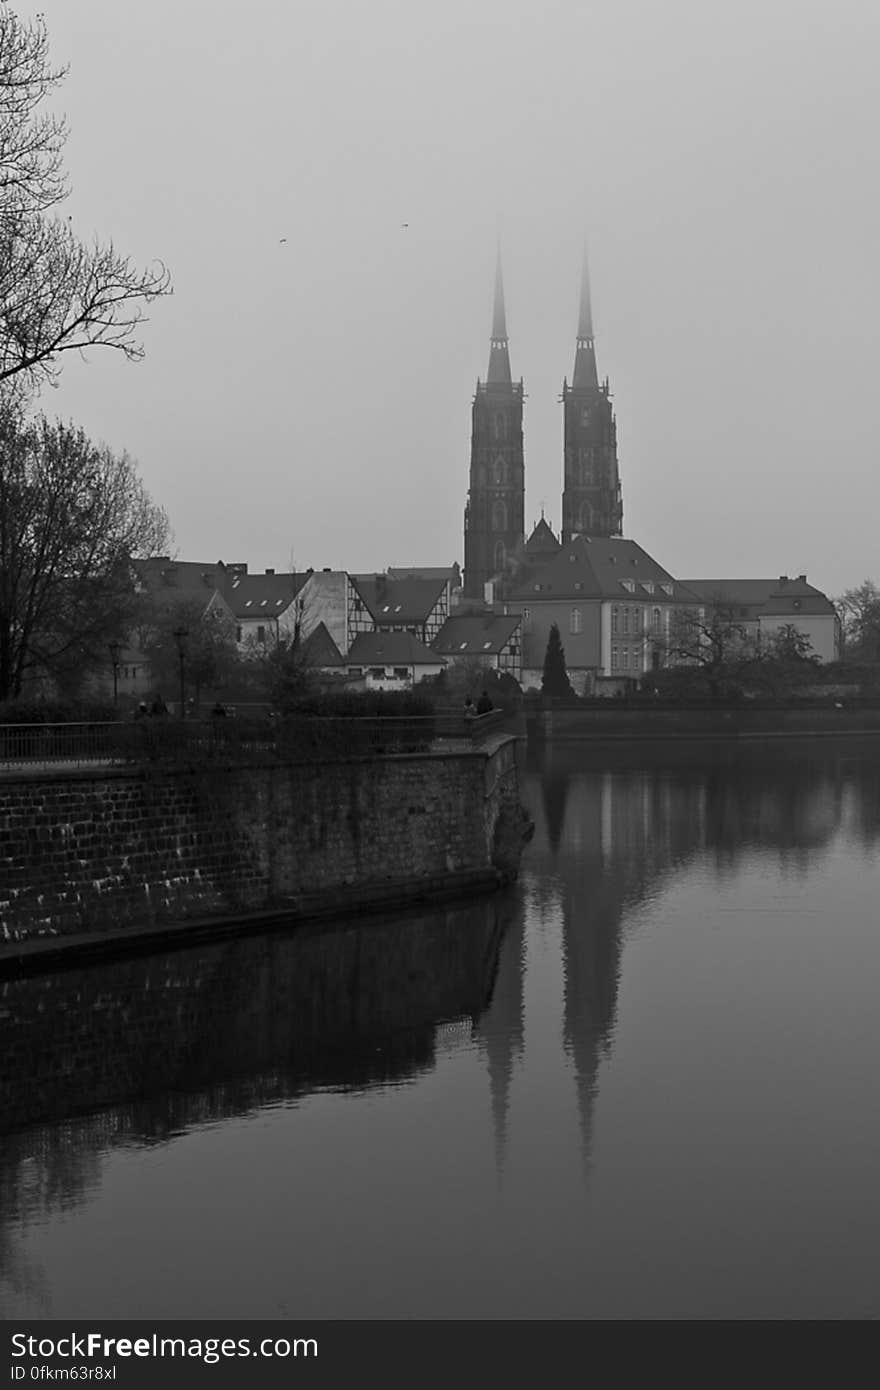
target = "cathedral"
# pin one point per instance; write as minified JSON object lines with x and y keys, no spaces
{"x":495,"y":548}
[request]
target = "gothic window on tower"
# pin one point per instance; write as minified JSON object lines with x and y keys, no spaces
{"x":500,"y":478}
{"x":586,"y":518}
{"x":500,"y":426}
{"x":499,"y":516}
{"x":587,"y":467}
{"x":585,"y":418}
{"x":499,"y":557}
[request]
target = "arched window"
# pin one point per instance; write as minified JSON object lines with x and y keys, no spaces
{"x":586,"y":518}
{"x":500,"y":556}
{"x":615,"y":619}
{"x":500,"y":426}
{"x":500,"y":472}
{"x":499,"y":516}
{"x":614,"y":658}
{"x":575,"y":620}
{"x":587,"y":467}
{"x":656,"y":619}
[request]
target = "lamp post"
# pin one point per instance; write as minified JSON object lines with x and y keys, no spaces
{"x":180,"y":635}
{"x":114,"y":657}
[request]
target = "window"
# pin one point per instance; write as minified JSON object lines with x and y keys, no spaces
{"x":500,"y":427}
{"x":527,"y":619}
{"x":499,"y":516}
{"x":626,"y":621}
{"x":648,"y":585}
{"x":355,"y":670}
{"x":486,"y":646}
{"x":500,"y":473}
{"x":586,"y":517}
{"x":575,"y":620}
{"x":614,"y":658}
{"x":401,"y":672}
{"x":656,"y":619}
{"x":667,"y":589}
{"x":626,"y":658}
{"x":578,"y":584}
{"x":238,"y":633}
{"x":261,"y":633}
{"x":500,"y":556}
{"x":615,"y":619}
{"x":377,"y":672}
{"x":629,"y":585}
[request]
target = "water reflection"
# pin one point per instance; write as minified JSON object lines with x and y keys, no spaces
{"x":505,"y":1015}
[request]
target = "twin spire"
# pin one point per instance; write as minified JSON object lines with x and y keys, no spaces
{"x":499,"y":359}
{"x":586,"y":376}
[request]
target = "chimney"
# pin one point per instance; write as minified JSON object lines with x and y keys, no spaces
{"x":802,"y":579}
{"x":783,"y":580}
{"x":327,"y":570}
{"x":270,"y":571}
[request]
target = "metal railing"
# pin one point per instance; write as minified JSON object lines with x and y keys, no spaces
{"x":300,"y":739}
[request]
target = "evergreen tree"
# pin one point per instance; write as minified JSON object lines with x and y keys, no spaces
{"x":555,"y":680}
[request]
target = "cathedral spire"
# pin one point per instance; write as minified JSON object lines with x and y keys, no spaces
{"x":499,"y":360}
{"x":585,"y":376}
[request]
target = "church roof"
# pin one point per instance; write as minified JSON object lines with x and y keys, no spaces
{"x":398,"y":601}
{"x":476,"y":634}
{"x":602,"y":567}
{"x":542,"y":541}
{"x":391,"y":649}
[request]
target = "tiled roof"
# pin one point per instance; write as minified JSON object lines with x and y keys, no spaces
{"x":779,"y":595}
{"x":443,"y":572}
{"x":601,"y":567}
{"x":262,"y":595}
{"x":398,"y":601}
{"x":320,"y":650}
{"x":476,"y":635}
{"x":390,"y":649}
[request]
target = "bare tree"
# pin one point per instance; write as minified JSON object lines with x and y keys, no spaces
{"x":72,"y":516}
{"x":859,"y":610}
{"x":57,"y":294}
{"x":713,"y":642}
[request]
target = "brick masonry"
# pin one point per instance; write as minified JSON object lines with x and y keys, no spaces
{"x":84,"y":853}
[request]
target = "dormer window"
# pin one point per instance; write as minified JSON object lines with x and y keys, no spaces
{"x":667,"y":589}
{"x":629,"y":585}
{"x":648,"y":585}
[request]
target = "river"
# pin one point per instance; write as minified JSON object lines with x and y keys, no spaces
{"x":642,"y":1083}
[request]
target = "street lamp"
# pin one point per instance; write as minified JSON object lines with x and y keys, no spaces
{"x":180,"y":635}
{"x":114,"y":657}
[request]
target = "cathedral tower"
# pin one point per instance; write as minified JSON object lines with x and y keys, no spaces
{"x":495,"y":511}
{"x":591,"y":501}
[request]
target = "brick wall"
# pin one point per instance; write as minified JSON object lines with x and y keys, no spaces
{"x":82,"y":853}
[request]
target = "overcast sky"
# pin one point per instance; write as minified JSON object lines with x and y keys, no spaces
{"x":310,"y":397}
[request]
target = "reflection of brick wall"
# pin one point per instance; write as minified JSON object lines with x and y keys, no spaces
{"x":86,"y":853}
{"x":228,"y":1026}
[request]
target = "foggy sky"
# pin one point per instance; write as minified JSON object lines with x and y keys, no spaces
{"x":311,"y":400}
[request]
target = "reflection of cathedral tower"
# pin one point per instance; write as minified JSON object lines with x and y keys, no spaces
{"x":591,"y":501}
{"x":500,"y":1029}
{"x":494,"y":515}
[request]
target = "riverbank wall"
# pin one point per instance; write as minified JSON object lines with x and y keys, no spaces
{"x":125,"y":851}
{"x":612,"y":721}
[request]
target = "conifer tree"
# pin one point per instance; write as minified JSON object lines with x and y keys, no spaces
{"x":554,"y":680}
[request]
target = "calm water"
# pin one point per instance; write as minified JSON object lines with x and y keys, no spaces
{"x":642,"y":1084}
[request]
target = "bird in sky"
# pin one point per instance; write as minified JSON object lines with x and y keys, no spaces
{"x":282,"y":241}
{"x":404,"y":224}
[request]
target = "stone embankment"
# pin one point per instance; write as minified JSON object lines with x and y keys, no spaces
{"x":127,"y":853}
